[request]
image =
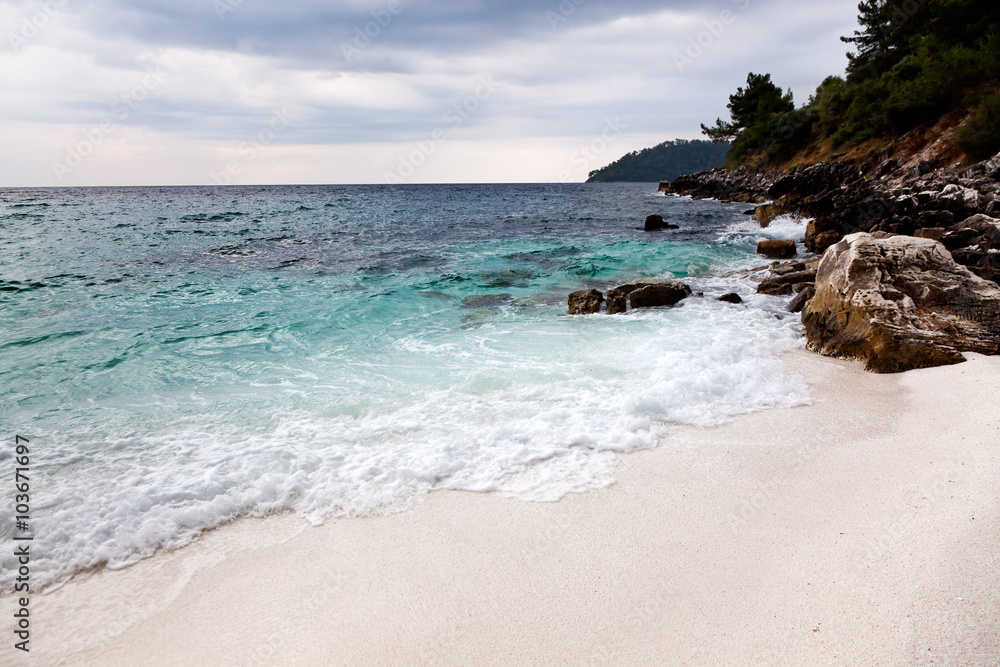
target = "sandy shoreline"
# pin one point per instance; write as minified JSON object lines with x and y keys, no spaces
{"x":861,"y":530}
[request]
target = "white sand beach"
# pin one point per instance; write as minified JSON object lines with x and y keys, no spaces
{"x":861,"y":530}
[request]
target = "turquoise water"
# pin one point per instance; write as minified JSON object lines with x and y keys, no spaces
{"x":180,"y":357}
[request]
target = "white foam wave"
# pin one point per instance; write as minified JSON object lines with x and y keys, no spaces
{"x":542,"y":411}
{"x":786,"y":227}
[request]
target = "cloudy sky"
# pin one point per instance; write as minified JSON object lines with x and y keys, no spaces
{"x":142,"y":92}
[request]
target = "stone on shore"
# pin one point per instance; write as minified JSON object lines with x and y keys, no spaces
{"x":776,"y":249}
{"x":585,"y":302}
{"x":898,"y":304}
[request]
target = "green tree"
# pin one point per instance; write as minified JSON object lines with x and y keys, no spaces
{"x":753,"y":106}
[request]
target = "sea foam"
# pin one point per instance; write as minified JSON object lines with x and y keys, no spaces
{"x":542,"y":407}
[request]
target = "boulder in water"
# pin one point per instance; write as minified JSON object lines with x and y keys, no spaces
{"x":659,"y":294}
{"x":732,"y":297}
{"x":585,"y":302}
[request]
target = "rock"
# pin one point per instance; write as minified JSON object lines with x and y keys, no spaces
{"x":618,"y":297}
{"x":766,"y":213}
{"x":824,"y":240}
{"x":821,"y":235}
{"x":585,"y":302}
{"x":887,"y":167}
{"x":617,"y":302}
{"x":779,"y":269}
{"x":656,"y":223}
{"x":936,"y":218}
{"x":783,"y":285}
{"x":898,"y":304}
{"x":775,"y":288}
{"x":660,"y":294}
{"x":932,"y":233}
{"x":732,"y":297}
{"x":776,"y":248}
{"x":801,"y":299}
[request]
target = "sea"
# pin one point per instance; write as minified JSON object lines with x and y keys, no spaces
{"x":180,"y":357}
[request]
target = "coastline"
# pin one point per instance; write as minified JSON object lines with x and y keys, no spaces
{"x":862,"y":529}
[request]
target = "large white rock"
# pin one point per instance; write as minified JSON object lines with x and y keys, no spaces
{"x":900,"y":303}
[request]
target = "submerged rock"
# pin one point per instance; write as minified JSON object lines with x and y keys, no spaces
{"x":585,"y":302}
{"x":776,"y":249}
{"x":487,"y":300}
{"x":900,"y":303}
{"x":732,"y":297}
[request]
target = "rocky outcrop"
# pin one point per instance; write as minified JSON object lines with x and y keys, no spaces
{"x":767,"y":213}
{"x":636,"y":295}
{"x":900,"y":303}
{"x":657,"y":295}
{"x":646,"y":295}
{"x":655,"y":223}
{"x":585,"y":302}
{"x":787,"y":279}
{"x":908,"y":196}
{"x":797,"y":304}
{"x":732,"y":297}
{"x":724,"y":184}
{"x":776,"y":248}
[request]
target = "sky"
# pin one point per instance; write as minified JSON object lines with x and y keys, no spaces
{"x":201,"y":92}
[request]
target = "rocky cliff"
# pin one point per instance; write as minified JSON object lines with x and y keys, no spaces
{"x":918,"y":285}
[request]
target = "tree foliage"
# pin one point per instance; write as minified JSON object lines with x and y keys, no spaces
{"x":914,"y":61}
{"x":750,"y":107}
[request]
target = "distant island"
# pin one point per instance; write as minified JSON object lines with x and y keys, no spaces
{"x":664,"y":162}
